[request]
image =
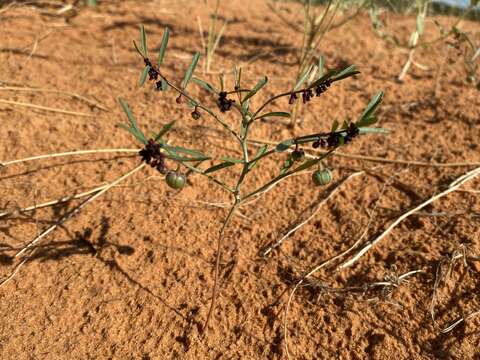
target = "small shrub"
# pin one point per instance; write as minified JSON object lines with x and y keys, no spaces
{"x":164,"y":157}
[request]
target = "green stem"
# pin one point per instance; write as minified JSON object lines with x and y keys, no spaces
{"x":282,"y":176}
{"x":272,"y":99}
{"x":217,"y":263}
{"x":267,"y":153}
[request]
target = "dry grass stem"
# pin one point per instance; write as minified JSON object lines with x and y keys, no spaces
{"x":67,"y":153}
{"x":452,"y":187}
{"x":45,"y":108}
{"x":14,"y":272}
{"x":73,"y":95}
{"x":53,"y":202}
{"x":459,"y":321}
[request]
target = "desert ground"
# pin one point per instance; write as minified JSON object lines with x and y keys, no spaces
{"x":130,"y":276}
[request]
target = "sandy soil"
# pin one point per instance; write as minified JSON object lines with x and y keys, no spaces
{"x":130,"y":277}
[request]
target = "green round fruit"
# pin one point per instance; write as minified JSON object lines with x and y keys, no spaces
{"x":175,"y":180}
{"x":322,"y":177}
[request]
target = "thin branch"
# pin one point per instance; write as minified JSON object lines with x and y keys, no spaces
{"x":217,"y":264}
{"x":260,"y":142}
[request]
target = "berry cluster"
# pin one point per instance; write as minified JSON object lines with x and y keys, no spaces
{"x":151,"y":155}
{"x":307,"y":94}
{"x":333,"y":139}
{"x":223,"y":103}
{"x":153,"y":74}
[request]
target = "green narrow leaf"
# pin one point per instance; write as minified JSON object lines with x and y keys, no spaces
{"x":239,"y":79}
{"x":245,"y":107}
{"x":144,"y":75}
{"x":284,"y":145}
{"x":261,"y":83}
{"x":175,"y":151}
{"x":345,"y":73}
{"x":177,"y":157}
{"x":322,"y":79}
{"x":369,"y":130}
{"x":262,"y":150}
{"x":217,"y":167}
{"x":205,"y":85}
{"x":335,"y":125}
{"x":166,"y":128}
{"x":367,"y":121}
{"x":135,"y":133}
{"x":302,"y":78}
{"x":133,"y":122}
{"x":273,"y":114}
{"x":237,"y":74}
{"x":163,"y":47}
{"x":190,"y":70}
{"x":287,"y":164}
{"x":143,"y":41}
{"x":321,"y":65}
{"x":370,"y":109}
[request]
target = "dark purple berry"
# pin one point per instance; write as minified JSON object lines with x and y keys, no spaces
{"x":298,"y":155}
{"x":196,"y":114}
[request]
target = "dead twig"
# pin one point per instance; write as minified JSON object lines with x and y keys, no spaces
{"x":73,"y":95}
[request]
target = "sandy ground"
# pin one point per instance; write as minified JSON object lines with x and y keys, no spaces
{"x":130,"y":277}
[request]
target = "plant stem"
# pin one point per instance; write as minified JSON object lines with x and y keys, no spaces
{"x":217,"y":263}
{"x":236,"y":204}
{"x":282,"y":176}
